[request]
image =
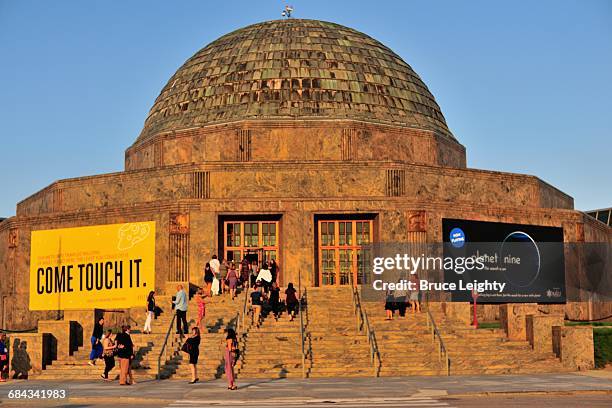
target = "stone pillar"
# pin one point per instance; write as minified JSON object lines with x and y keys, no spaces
{"x":85,"y":320}
{"x":539,"y":331}
{"x":460,"y":311}
{"x":29,"y":353}
{"x":574,"y":345}
{"x":512,"y":317}
{"x":487,"y":313}
{"x":60,"y":331}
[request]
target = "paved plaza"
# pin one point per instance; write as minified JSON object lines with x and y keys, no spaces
{"x":595,"y":386}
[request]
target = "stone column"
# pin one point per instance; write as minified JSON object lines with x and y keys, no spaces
{"x":574,"y":345}
{"x":512,"y":317}
{"x":539,"y":331}
{"x":60,"y":331}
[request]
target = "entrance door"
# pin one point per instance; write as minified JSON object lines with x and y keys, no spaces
{"x":343,"y":251}
{"x":257,"y":240}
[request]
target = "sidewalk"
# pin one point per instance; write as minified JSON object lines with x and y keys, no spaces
{"x":322,"y":390}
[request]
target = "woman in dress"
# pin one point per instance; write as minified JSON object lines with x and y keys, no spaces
{"x":201,"y":299}
{"x":150,"y":312}
{"x":231,"y":349}
{"x":108,"y":345}
{"x":209,"y":277}
{"x":274,"y":300}
{"x":232,"y":280}
{"x":192,"y":348}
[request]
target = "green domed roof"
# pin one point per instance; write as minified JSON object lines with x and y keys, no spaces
{"x":294,"y":69}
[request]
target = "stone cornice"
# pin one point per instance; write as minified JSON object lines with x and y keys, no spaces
{"x":340,"y":204}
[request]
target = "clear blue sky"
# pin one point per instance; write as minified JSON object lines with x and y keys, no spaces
{"x":524,"y":85}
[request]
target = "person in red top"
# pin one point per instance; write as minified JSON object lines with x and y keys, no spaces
{"x":201,"y":299}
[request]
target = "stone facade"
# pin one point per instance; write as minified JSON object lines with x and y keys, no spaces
{"x":381,"y":151}
{"x":539,"y":331}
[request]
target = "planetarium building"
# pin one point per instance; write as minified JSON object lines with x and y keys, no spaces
{"x":297,"y":140}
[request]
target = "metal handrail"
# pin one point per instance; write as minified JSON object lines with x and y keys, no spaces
{"x":363,"y":323}
{"x":435,"y":333}
{"x":302,"y":331}
{"x":163,"y":349}
{"x":244,"y":308}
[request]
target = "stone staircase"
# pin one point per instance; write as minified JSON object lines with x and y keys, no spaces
{"x":336,"y":347}
{"x":406,"y":347}
{"x":221,"y":312}
{"x":272,"y":350}
{"x":144,"y":366}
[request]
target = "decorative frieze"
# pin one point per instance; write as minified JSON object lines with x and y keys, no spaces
{"x":200,"y":184}
{"x":348,"y":140}
{"x":395,"y":183}
{"x":244,"y":144}
{"x":179,"y":247}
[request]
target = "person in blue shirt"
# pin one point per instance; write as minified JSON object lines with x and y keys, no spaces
{"x":180,"y":304}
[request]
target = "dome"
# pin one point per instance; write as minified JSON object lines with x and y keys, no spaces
{"x":294,"y":69}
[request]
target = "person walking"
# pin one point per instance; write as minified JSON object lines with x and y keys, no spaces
{"x":125,"y":352}
{"x":201,"y":299}
{"x":215,"y":265}
{"x":232,"y":280}
{"x":256,"y":303}
{"x":401,"y":302}
{"x":180,"y":303}
{"x":389,"y":304}
{"x":254,"y":273}
{"x":291,"y":301}
{"x":109,"y":349}
{"x":415,"y":305}
{"x":96,"y":341}
{"x":274,"y":300}
{"x":4,"y":363}
{"x":265,"y":277}
{"x":274,"y":270}
{"x":192,"y":348}
{"x":245,"y":271}
{"x":150,"y":312}
{"x":231,"y":352}
{"x":209,"y":277}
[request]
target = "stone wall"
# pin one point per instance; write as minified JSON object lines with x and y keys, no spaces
{"x":295,"y":141}
{"x":574,"y":346}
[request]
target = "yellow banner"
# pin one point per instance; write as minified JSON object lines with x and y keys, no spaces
{"x":103,"y":266}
